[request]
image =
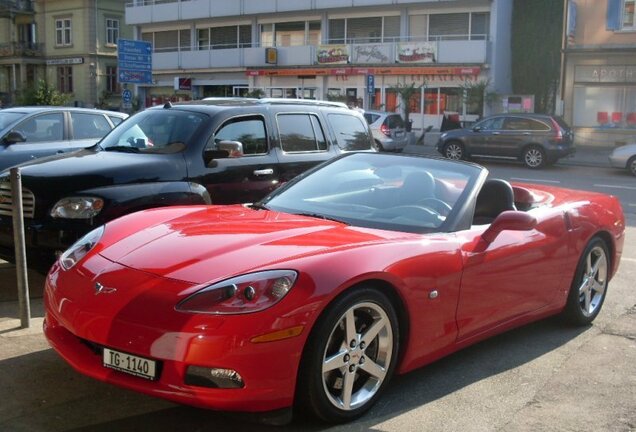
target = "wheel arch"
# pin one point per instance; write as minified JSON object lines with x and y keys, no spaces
{"x":630,"y":161}
{"x":608,"y":239}
{"x":531,"y":144}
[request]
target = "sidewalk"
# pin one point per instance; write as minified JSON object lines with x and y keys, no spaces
{"x":584,"y":156}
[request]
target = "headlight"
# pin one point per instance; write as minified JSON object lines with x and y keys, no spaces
{"x":243,"y":294}
{"x":80,"y":248}
{"x":77,"y":208}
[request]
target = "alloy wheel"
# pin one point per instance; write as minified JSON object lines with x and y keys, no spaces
{"x":357,"y":356}
{"x":454,"y":151}
{"x":533,"y":157}
{"x":593,"y":282}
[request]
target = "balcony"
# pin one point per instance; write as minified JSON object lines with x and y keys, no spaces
{"x":155,"y":11}
{"x":446,"y":52}
{"x":11,"y":8}
{"x":21,"y":49}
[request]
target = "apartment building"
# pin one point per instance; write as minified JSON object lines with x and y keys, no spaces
{"x":350,"y":50}
{"x":72,"y":44}
{"x":599,"y":77}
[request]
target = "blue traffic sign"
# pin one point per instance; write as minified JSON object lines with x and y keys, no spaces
{"x":134,"y":61}
{"x":126,"y":96}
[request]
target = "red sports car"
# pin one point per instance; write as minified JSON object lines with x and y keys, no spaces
{"x":368,"y":265}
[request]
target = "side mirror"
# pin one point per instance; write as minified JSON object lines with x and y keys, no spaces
{"x":233,"y":148}
{"x":509,"y":221}
{"x":477,"y":129}
{"x":14,"y":137}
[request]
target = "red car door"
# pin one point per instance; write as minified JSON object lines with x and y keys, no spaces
{"x":520,"y":272}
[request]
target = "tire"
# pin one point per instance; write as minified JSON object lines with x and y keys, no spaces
{"x":589,"y":286}
{"x":341,"y":376}
{"x":454,"y":150}
{"x":631,"y":165}
{"x":378,"y":146}
{"x":534,"y":157}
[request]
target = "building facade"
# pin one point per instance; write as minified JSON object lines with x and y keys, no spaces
{"x":599,"y":77}
{"x":72,"y":44}
{"x":356,"y":51}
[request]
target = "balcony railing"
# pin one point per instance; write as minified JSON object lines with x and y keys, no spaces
{"x":450,"y":49}
{"x":21,"y":49}
{"x":12,"y":7}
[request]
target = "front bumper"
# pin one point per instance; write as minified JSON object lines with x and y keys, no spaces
{"x":79,"y":323}
{"x":617,"y":161}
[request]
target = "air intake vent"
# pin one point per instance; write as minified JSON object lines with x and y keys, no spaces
{"x":6,"y":201}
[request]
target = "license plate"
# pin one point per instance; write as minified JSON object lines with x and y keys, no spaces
{"x":138,"y":366}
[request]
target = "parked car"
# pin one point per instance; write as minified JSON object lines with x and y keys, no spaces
{"x":536,"y":140}
{"x":28,"y":133}
{"x":218,"y":151}
{"x":389,"y":130}
{"x":316,"y":295}
{"x":624,"y":157}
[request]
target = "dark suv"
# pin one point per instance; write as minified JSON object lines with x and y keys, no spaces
{"x":220,"y":151}
{"x":536,"y":140}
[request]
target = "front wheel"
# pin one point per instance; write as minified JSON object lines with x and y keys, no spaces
{"x":454,"y":151}
{"x":350,"y":356}
{"x":534,"y":157}
{"x":588,"y":289}
{"x":631,"y":165}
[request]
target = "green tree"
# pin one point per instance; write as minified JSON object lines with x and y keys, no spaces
{"x":476,"y":95}
{"x":44,"y":94}
{"x":537,"y":29}
{"x":406,"y":93}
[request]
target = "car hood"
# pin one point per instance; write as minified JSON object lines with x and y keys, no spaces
{"x":87,"y":169}
{"x":205,"y":244}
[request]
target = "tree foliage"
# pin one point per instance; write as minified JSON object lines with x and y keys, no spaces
{"x":406,"y":92}
{"x":537,"y":28}
{"x":44,"y":94}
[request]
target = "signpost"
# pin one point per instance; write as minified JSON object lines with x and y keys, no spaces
{"x":371,"y":84}
{"x":126,"y":98}
{"x":134,"y":61}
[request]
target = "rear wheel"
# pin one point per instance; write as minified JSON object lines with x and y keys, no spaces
{"x":349,"y":357}
{"x":378,"y":146}
{"x":631,"y":165}
{"x":534,"y":157}
{"x":588,"y":289}
{"x":454,"y":150}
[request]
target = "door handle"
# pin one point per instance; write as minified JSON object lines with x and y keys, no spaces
{"x":264,"y":172}
{"x":526,"y":133}
{"x":496,"y":133}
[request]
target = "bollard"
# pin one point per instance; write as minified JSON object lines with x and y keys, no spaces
{"x":20,"y":248}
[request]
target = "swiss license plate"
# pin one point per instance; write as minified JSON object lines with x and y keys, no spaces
{"x":138,"y":366}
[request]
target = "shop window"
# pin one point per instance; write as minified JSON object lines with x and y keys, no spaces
{"x":604,"y":107}
{"x":300,"y":133}
{"x":628,"y":22}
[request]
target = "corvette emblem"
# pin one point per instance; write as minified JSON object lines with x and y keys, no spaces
{"x":101,"y":289}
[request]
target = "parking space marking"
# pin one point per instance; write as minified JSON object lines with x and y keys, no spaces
{"x":615,"y":186}
{"x":535,"y":180}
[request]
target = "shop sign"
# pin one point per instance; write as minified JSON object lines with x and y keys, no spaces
{"x":65,"y":61}
{"x":471,"y":71}
{"x":416,"y":52}
{"x":332,"y":54}
{"x":371,"y":53}
{"x":271,"y":56}
{"x":605,"y":74}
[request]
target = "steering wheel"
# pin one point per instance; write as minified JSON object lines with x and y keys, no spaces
{"x":413,"y":212}
{"x":441,"y":207}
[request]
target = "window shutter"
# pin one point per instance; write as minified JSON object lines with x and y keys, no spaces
{"x":614,"y":14}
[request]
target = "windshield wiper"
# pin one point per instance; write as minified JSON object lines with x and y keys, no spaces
{"x":121,"y":148}
{"x":322,"y":216}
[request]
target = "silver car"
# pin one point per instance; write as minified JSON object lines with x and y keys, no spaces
{"x":624,"y":157}
{"x":389,"y":131}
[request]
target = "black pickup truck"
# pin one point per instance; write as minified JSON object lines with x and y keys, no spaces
{"x":219,"y":151}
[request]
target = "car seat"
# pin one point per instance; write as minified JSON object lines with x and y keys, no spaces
{"x":495,"y":197}
{"x":416,"y":187}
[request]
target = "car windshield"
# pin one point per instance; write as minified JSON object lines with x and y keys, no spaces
{"x":154,"y":131}
{"x":9,"y":117}
{"x":399,"y":193}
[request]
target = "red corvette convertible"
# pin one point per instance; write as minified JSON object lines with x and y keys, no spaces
{"x":369,"y":265}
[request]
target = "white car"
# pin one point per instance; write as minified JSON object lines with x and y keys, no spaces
{"x":389,"y":131}
{"x":624,"y":157}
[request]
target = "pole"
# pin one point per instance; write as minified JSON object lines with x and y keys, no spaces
{"x":20,"y":248}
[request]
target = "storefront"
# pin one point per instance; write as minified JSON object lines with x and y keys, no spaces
{"x":440,"y":89}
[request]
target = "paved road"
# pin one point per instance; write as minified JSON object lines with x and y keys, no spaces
{"x":542,"y":377}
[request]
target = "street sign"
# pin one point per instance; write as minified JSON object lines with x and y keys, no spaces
{"x":134,"y":61}
{"x":371,"y":84}
{"x":126,"y":96}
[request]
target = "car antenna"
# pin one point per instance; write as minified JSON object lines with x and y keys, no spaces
{"x":167,"y":105}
